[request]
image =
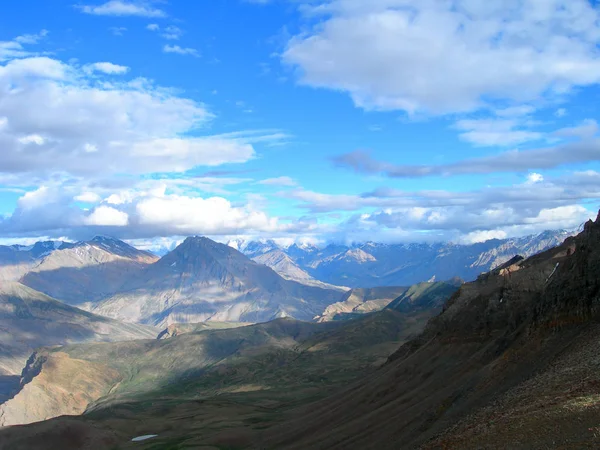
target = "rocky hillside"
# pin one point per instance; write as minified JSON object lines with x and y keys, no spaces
{"x":510,"y":360}
{"x":85,"y":272}
{"x":203,"y":280}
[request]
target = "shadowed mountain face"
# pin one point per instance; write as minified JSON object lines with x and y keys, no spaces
{"x":87,"y":271}
{"x":374,"y":264}
{"x":203,"y":280}
{"x":17,"y":260}
{"x":30,"y":319}
{"x":509,"y":363}
{"x":273,"y":357}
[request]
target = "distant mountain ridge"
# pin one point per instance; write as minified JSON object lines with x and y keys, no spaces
{"x":87,"y":271}
{"x":203,"y":280}
{"x":373,"y":264}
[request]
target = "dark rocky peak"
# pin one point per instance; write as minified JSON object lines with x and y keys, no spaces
{"x":41,"y":249}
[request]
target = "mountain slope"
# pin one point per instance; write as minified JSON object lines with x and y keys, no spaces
{"x":270,"y":357}
{"x":30,"y":319}
{"x":87,"y":271}
{"x":361,"y":301}
{"x":281,"y":263}
{"x":423,"y":296}
{"x":203,"y":280}
{"x":521,"y":333}
{"x":17,"y":260}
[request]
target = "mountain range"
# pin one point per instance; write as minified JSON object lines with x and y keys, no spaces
{"x":372,"y":264}
{"x":510,"y":360}
{"x":203,"y":280}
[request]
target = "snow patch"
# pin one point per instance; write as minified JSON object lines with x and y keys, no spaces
{"x":144,"y":437}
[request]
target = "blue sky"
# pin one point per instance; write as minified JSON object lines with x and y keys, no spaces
{"x":321,"y":120}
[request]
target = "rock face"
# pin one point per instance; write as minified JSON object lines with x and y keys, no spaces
{"x":372,"y":264}
{"x":203,"y":280}
{"x":30,"y":319}
{"x":82,"y":273}
{"x":508,"y":362}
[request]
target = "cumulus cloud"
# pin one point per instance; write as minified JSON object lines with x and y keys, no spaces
{"x":148,"y":210}
{"x":444,"y":57}
{"x":55,"y":118}
{"x":123,"y":8}
{"x":181,"y":50}
{"x":105,"y":216}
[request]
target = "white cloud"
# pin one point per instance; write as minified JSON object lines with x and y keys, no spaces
{"x":32,"y":139}
{"x":443,"y":57}
{"x":80,"y":125}
{"x":31,"y":38}
{"x":106,"y":216}
{"x":180,"y":50}
{"x":495,"y":132}
{"x":106,"y":67}
{"x":187,"y":215}
{"x":153,"y":27}
{"x":534,"y":177}
{"x":88,"y":197}
{"x":122,"y":8}
{"x":279,"y":181}
{"x":482,"y":236}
